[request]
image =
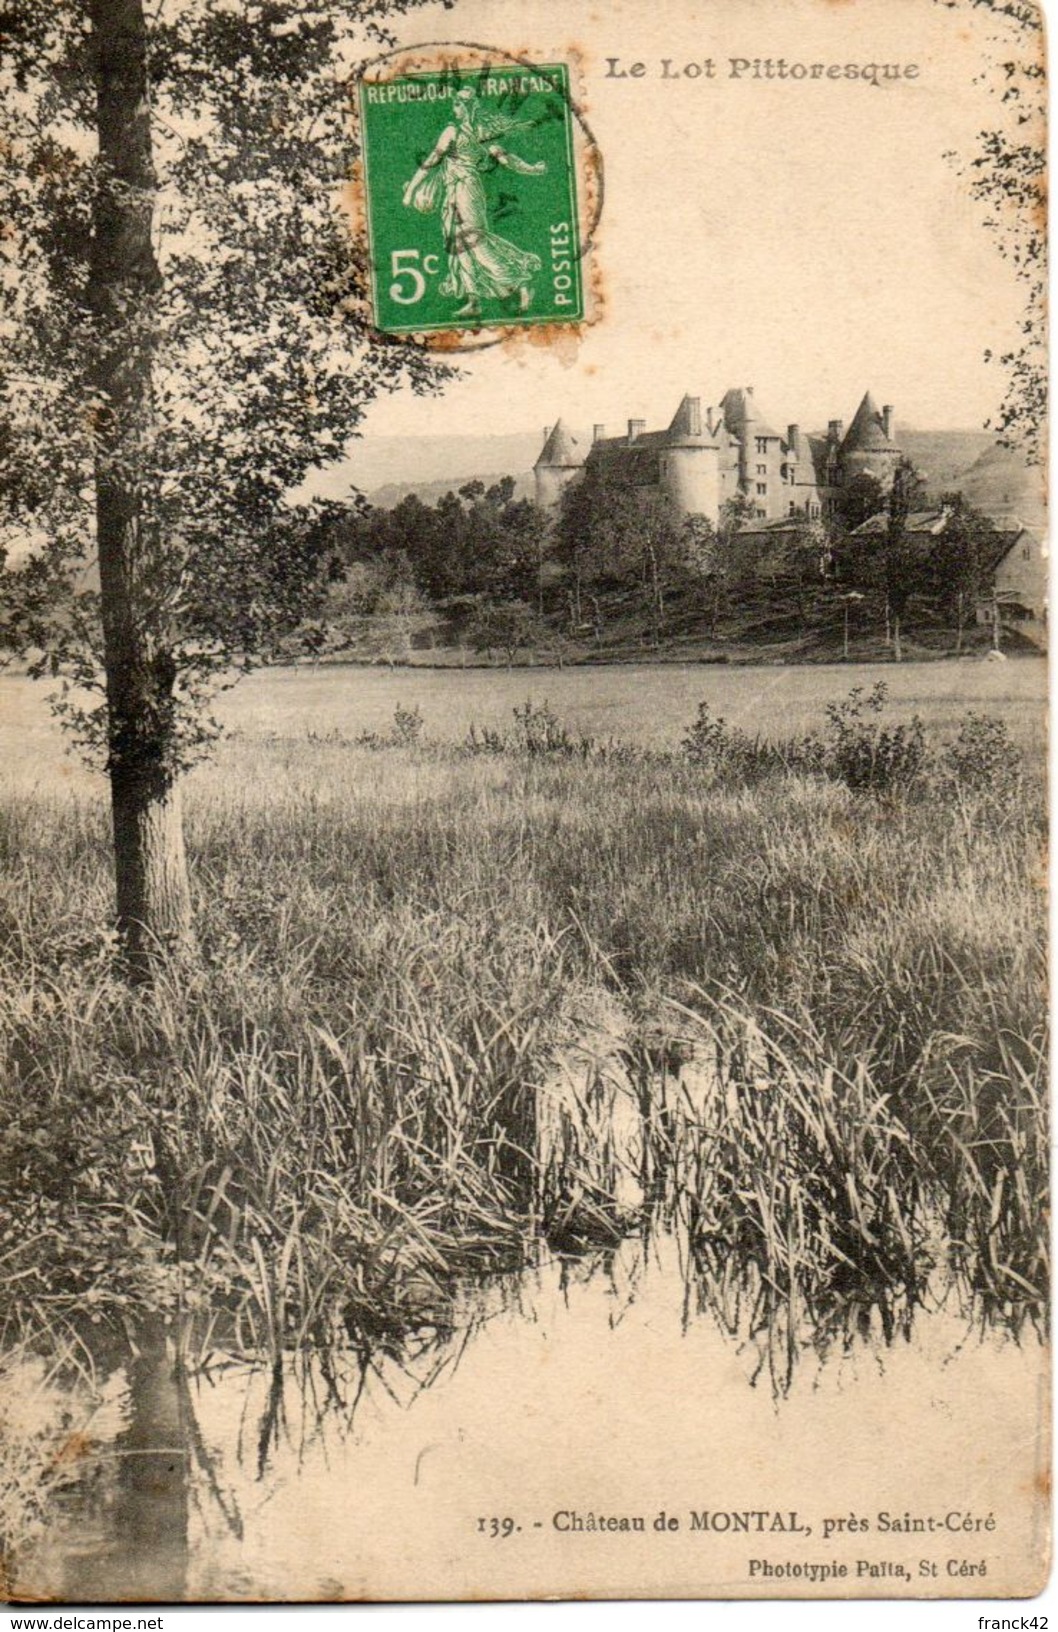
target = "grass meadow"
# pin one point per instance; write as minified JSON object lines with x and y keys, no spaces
{"x":645,"y":704}
{"x":648,"y":705}
{"x":455,"y":1005}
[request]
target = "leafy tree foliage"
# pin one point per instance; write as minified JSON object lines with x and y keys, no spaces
{"x":856,"y":502}
{"x":902,"y":560}
{"x":709,"y":567}
{"x":963,"y":560}
{"x":507,"y":626}
{"x":479,"y":541}
{"x":1008,"y":178}
{"x":186,"y":336}
{"x":581,"y":542}
{"x":612,"y":532}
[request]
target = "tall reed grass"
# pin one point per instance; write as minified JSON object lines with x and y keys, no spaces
{"x":817,"y":1008}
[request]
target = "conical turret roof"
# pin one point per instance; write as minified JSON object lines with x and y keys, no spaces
{"x":740,"y":410}
{"x":687,"y":420}
{"x":561,"y":447}
{"x":866,"y":434}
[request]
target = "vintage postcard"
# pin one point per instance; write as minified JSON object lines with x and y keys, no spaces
{"x":523,"y":630}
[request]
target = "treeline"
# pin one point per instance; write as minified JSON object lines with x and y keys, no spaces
{"x":485,"y":569}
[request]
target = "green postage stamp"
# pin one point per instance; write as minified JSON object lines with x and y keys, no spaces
{"x":471,"y":198}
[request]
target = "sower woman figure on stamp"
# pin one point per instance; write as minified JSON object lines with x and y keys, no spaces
{"x":481,"y":264}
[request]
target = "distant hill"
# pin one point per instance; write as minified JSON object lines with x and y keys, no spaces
{"x":994,"y":479}
{"x":408,"y":463}
{"x":1001,"y":484}
{"x":943,"y":456}
{"x":429,"y":492}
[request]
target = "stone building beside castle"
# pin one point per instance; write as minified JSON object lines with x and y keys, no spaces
{"x":705,"y":458}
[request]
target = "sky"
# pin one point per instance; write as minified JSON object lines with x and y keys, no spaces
{"x":812,"y":239}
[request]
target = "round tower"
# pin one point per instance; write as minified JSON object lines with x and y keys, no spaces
{"x":690,"y":463}
{"x":868,"y":447}
{"x":561,"y":459}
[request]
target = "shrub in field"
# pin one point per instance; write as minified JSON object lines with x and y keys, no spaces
{"x":537,"y":730}
{"x":710,"y":740}
{"x":732,"y":755}
{"x":983,"y":756}
{"x":407,"y":725}
{"x":865,"y":755}
{"x":405,"y":732}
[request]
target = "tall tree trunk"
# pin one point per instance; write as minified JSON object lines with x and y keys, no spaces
{"x":153,"y":898}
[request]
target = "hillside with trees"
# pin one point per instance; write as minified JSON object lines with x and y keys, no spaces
{"x":481,"y":574}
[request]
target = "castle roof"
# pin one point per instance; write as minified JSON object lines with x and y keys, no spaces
{"x":740,"y":409}
{"x":866,"y":434}
{"x":607,"y":445}
{"x":561,"y":447}
{"x":919,"y":523}
{"x":683,"y":422}
{"x":677,"y":434}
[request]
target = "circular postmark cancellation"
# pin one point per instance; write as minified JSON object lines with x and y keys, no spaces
{"x":480,"y":189}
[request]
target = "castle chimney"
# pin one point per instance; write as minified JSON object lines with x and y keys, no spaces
{"x":834,"y":429}
{"x":694,"y":416}
{"x":547,"y":432}
{"x":636,"y":427}
{"x":598,"y":432}
{"x":887,"y":420}
{"x":793,"y":436}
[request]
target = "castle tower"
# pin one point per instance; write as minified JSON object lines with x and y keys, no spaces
{"x":868,"y":447}
{"x":561,"y":458}
{"x":690,"y":464}
{"x":760,"y":453}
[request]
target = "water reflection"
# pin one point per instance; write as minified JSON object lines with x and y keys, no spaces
{"x":325,"y":1477}
{"x":126,"y":1517}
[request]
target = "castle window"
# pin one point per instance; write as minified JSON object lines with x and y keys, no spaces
{"x":793,"y":508}
{"x":762,"y":470}
{"x":762,"y":444}
{"x":762,"y":487}
{"x":1026,"y":554}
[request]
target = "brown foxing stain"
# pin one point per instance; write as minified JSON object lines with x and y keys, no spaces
{"x":443,"y":340}
{"x":74,"y":1448}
